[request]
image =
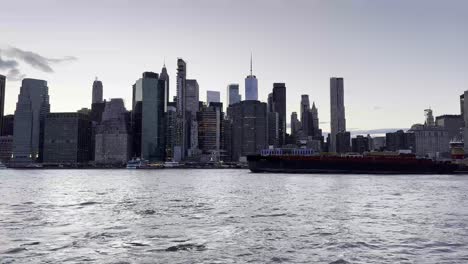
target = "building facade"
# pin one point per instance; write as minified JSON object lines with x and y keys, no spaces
{"x":400,"y":140}
{"x":97,"y":92}
{"x":67,"y":138}
{"x":31,"y":110}
{"x":251,"y":85}
{"x":233,"y":95}
{"x":360,"y":144}
{"x":279,"y":106}
{"x":343,"y":142}
{"x":453,"y":124}
{"x":2,"y":100}
{"x":213,"y":97}
{"x":337,"y":111}
{"x":6,"y":148}
{"x":113,"y":137}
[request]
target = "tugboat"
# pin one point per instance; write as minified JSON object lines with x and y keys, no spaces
{"x":308,"y":161}
{"x":137,"y":163}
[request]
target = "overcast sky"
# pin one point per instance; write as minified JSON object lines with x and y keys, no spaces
{"x":397,"y":57}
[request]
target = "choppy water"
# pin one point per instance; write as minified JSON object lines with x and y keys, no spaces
{"x":230,"y":216}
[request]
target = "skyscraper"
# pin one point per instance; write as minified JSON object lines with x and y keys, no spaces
{"x":295,"y":124}
{"x":97,"y":91}
{"x":279,"y":106}
{"x":210,"y":127}
{"x":113,"y":140}
{"x":2,"y":100}
{"x":192,"y":107}
{"x":316,"y":131}
{"x":164,"y":76}
{"x":213,"y":97}
{"x":251,"y":85}
{"x":233,"y":95}
{"x":31,"y":110}
{"x":305,"y":115}
{"x":337,"y":110}
{"x":181,"y":141}
{"x":149,"y":112}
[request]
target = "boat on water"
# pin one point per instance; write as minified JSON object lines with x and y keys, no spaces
{"x":138,"y":164}
{"x":307,"y":161}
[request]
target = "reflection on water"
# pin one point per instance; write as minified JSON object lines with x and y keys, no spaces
{"x":230,"y":216}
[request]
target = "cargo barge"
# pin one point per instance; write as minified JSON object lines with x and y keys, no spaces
{"x":305,"y":161}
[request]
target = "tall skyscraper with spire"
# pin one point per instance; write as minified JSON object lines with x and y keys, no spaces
{"x":164,"y":76}
{"x":251,"y":85}
{"x":337,"y":111}
{"x":97,"y":91}
{"x":31,"y":110}
{"x":315,"y":121}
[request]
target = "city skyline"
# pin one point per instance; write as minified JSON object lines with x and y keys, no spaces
{"x":427,"y":71}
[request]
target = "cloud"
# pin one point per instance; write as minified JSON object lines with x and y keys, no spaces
{"x":380,"y":131}
{"x":35,"y":60}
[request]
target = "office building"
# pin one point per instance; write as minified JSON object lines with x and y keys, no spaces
{"x":67,"y":138}
{"x":431,"y":141}
{"x":113,"y":137}
{"x":249,"y":128}
{"x":343,"y":142}
{"x":233,"y":95}
{"x":210,"y":121}
{"x":213,"y":97}
{"x":2,"y":100}
{"x":251,"y":85}
{"x":295,"y":124}
{"x":378,"y":143}
{"x":360,"y":144}
{"x":273,"y":129}
{"x":453,"y":124}
{"x":164,"y":77}
{"x":171,"y":122}
{"x":31,"y":110}
{"x":6,"y":148}
{"x":148,"y":117}
{"x":182,"y":139}
{"x":279,"y":106}
{"x":337,"y":111}
{"x":400,"y":140}
{"x":97,"y":92}
{"x":8,"y":124}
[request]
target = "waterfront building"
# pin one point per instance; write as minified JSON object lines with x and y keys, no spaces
{"x":251,"y":85}
{"x":67,"y":138}
{"x":113,"y":137}
{"x":305,"y":115}
{"x":279,"y":106}
{"x":399,"y":140}
{"x":213,"y":97}
{"x":249,"y":128}
{"x":453,"y":124}
{"x":97,"y":92}
{"x":210,"y":121}
{"x":378,"y":143}
{"x":429,"y":118}
{"x":8,"y":124}
{"x":233,"y":95}
{"x":431,"y":140}
{"x":316,"y":131}
{"x":465,"y":118}
{"x":2,"y":100}
{"x":360,"y":144}
{"x":6,"y":148}
{"x":343,"y":142}
{"x":337,"y":111}
{"x":31,"y":110}
{"x":171,"y":122}
{"x":148,"y":117}
{"x":182,"y":139}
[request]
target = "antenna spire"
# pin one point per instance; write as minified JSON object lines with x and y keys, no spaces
{"x":251,"y":64}
{"x":164,"y":63}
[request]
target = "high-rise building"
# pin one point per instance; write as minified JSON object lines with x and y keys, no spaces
{"x":429,"y":118}
{"x":251,"y":85}
{"x":279,"y":106}
{"x":343,"y":142}
{"x":360,"y":144}
{"x":213,"y":97}
{"x":453,"y":124}
{"x":273,"y":129}
{"x":113,"y":138}
{"x":249,"y":128}
{"x":97,"y":91}
{"x":6,"y":148}
{"x":295,"y":124}
{"x":316,"y":131}
{"x":462,"y":105}
{"x":182,"y":129}
{"x":171,"y":122}
{"x":337,"y":110}
{"x":8,"y":124}
{"x":31,"y":110}
{"x":150,"y":104}
{"x":210,"y":120}
{"x":400,"y":140}
{"x":164,"y":76}
{"x":67,"y":138}
{"x":2,"y":100}
{"x":192,"y":98}
{"x":431,"y":141}
{"x":233,"y":95}
{"x":306,"y":121}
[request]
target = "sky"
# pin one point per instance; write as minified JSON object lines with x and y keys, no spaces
{"x":397,"y":57}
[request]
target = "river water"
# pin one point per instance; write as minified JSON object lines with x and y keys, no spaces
{"x":230,"y":216}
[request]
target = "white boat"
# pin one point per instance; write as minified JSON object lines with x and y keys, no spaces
{"x":171,"y":164}
{"x":137,"y":164}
